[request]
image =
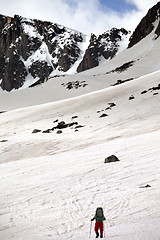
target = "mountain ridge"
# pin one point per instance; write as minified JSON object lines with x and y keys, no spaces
{"x":41,"y":48}
{"x":31,"y":50}
{"x":130,"y":64}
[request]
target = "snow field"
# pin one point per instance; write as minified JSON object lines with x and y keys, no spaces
{"x":51,"y":184}
{"x":54,"y":197}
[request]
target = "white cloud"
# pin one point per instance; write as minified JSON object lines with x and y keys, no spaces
{"x":143,"y":5}
{"x":86,"y":15}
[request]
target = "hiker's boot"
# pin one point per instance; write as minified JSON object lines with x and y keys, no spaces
{"x":97,"y":235}
{"x":101,"y":236}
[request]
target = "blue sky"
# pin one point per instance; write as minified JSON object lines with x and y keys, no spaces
{"x":120,"y":6}
{"x":86,"y":16}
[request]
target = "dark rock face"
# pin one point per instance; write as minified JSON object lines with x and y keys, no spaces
{"x":90,"y":59}
{"x":12,"y":71}
{"x":146,"y":26}
{"x":40,"y":69}
{"x":34,"y":47}
{"x":105,"y":45}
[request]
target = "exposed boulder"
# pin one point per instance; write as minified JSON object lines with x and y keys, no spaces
{"x":131,"y":97}
{"x":111,"y":158}
{"x":103,"y":115}
{"x":143,"y":92}
{"x":74,"y":117}
{"x":59,"y":131}
{"x":146,"y":186}
{"x":112,"y":104}
{"x":4,"y":141}
{"x":47,"y":131}
{"x":36,"y":131}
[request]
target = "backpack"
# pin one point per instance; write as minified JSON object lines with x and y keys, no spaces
{"x":99,"y":212}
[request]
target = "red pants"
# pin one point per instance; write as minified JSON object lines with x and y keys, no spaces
{"x":99,"y":225}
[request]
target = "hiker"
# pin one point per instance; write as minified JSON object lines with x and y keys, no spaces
{"x":99,"y":217}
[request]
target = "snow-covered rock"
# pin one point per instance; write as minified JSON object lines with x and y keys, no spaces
{"x":32,"y":50}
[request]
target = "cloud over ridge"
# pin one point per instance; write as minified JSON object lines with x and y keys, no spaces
{"x":86,"y":15}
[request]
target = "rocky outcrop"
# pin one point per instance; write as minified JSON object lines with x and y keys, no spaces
{"x":40,"y":69}
{"x":146,"y":26}
{"x":90,"y":58}
{"x":60,"y":126}
{"x":111,"y":158}
{"x":104,"y":46}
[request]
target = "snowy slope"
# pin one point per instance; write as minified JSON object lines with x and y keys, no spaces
{"x":52,"y":183}
{"x":144,"y":59}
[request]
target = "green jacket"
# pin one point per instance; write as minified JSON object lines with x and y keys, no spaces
{"x":99,"y":219}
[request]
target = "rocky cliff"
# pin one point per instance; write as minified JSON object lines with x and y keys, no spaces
{"x":104,"y":46}
{"x":32,"y":50}
{"x":149,"y":23}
